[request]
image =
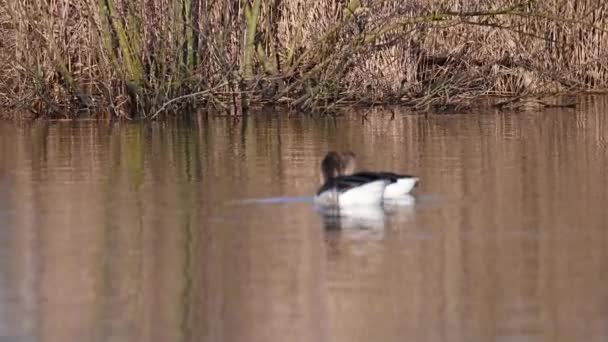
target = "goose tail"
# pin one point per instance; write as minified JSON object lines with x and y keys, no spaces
{"x":401,"y":187}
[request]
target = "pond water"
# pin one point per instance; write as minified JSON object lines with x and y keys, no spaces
{"x":206,"y":230}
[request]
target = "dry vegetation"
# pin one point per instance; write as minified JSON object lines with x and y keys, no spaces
{"x":149,"y":58}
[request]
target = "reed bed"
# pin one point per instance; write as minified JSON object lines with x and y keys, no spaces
{"x":153,"y":58}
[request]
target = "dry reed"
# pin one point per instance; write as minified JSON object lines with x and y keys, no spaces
{"x":150,"y":58}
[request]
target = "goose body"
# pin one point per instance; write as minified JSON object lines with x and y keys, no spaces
{"x":342,"y":186}
{"x":397,"y":185}
{"x":345,"y":191}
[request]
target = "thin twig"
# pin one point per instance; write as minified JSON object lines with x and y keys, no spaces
{"x":182,"y":97}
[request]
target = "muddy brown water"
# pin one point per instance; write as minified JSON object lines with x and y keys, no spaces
{"x":205,"y":231}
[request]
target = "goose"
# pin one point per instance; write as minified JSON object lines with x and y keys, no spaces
{"x":339,"y":190}
{"x":398,"y":184}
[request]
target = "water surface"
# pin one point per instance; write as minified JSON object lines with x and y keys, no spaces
{"x":205,"y":231}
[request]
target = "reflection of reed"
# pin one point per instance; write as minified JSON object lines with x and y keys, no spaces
{"x":124,"y":230}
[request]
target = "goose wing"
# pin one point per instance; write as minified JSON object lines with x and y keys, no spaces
{"x":389,"y":176}
{"x":345,"y":183}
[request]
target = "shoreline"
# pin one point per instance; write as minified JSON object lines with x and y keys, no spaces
{"x":482,"y":103}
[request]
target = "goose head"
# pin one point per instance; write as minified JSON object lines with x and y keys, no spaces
{"x":338,"y":164}
{"x":331,"y":166}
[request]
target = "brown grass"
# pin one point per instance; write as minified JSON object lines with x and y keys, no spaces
{"x":150,"y":58}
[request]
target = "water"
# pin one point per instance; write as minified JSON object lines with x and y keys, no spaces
{"x":206,"y":231}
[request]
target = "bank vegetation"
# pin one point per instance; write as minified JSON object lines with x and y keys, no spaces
{"x":152,"y":58}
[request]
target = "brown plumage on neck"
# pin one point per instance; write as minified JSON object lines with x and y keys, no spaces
{"x":337,"y":164}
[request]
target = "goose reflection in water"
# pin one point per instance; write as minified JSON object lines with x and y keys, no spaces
{"x":366,"y":217}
